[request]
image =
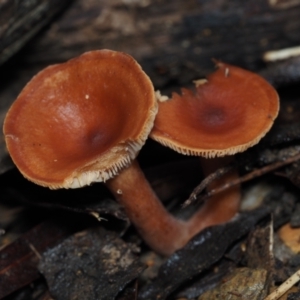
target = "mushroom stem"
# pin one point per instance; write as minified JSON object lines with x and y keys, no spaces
{"x":161,"y":231}
{"x":219,"y":208}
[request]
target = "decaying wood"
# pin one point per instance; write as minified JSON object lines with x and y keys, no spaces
{"x":173,"y":40}
{"x":19,"y":260}
{"x":21,"y":20}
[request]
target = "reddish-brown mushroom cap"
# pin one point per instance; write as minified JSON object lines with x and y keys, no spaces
{"x":81,"y":121}
{"x":228,"y":113}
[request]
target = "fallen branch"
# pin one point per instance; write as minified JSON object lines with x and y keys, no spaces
{"x":208,"y":180}
{"x":256,"y":173}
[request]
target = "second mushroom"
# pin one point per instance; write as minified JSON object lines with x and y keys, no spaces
{"x":227,"y":113}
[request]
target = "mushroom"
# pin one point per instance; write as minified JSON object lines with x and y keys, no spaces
{"x":85,"y":121}
{"x":228,"y":113}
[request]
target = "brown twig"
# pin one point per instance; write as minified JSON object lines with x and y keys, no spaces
{"x":284,"y":287}
{"x":209,"y":179}
{"x":256,"y":173}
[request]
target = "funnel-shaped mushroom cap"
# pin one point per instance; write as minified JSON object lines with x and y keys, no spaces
{"x":228,"y":113}
{"x":81,"y":121}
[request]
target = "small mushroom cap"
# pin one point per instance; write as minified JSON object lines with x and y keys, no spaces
{"x":229,"y":112}
{"x":81,"y":121}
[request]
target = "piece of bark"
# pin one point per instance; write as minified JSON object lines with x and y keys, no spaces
{"x":21,"y":20}
{"x":173,"y":40}
{"x":243,"y":283}
{"x":19,"y":260}
{"x":92,"y":264}
{"x":259,"y":250}
{"x":208,"y":281}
